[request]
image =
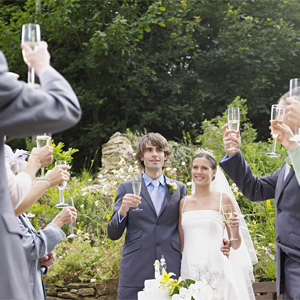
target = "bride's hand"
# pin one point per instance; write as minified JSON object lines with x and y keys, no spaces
{"x":234,"y":222}
{"x":225,"y":249}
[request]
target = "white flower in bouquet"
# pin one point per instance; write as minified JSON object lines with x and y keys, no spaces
{"x":200,"y":290}
{"x":187,"y":289}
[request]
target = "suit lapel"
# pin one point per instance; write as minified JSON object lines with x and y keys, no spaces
{"x":145,"y":195}
{"x":167,"y":197}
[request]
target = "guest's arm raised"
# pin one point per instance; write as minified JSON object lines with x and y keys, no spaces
{"x":231,"y":137}
{"x":55,"y":176}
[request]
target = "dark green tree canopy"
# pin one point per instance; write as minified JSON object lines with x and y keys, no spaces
{"x":161,"y":66}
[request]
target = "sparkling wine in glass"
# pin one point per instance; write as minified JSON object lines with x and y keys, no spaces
{"x":31,"y":35}
{"x":295,"y":94}
{"x":233,"y":121}
{"x":136,"y":187}
{"x":72,"y":234}
{"x":42,"y":141}
{"x":61,"y":186}
{"x":227,"y":213}
{"x":277,"y":116}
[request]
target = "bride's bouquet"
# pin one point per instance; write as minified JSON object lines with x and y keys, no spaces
{"x":187,"y":289}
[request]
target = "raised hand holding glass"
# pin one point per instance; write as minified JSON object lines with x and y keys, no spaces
{"x":227,"y":213}
{"x":41,"y":141}
{"x":72,"y":234}
{"x":31,"y":35}
{"x":277,"y":116}
{"x":61,"y":187}
{"x":233,"y":121}
{"x":136,"y":187}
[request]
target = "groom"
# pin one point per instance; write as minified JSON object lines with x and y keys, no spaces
{"x":284,"y":187}
{"x":153,"y":232}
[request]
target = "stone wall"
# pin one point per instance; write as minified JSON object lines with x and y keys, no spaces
{"x":106,"y":290}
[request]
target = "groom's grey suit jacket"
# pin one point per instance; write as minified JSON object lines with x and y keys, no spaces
{"x":36,"y":245}
{"x":286,"y":192}
{"x":25,"y":112}
{"x":148,"y":236}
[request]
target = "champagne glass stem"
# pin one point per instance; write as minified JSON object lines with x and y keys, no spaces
{"x":274,"y":145}
{"x":61,"y":196}
{"x":71,"y":229}
{"x":42,"y":172}
{"x":31,"y":75}
{"x":231,"y":235}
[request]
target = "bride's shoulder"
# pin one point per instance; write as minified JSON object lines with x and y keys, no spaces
{"x":226,"y":199}
{"x":182,"y":200}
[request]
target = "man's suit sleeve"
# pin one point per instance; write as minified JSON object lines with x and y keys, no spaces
{"x":40,"y":243}
{"x":26,"y":111}
{"x":252,"y":187}
{"x":115,"y":229}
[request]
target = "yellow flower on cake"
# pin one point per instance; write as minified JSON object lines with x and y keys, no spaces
{"x":166,"y":277}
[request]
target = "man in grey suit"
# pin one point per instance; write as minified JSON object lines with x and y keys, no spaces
{"x":25,"y":111}
{"x":38,"y":247}
{"x":152,"y":232}
{"x":284,"y":187}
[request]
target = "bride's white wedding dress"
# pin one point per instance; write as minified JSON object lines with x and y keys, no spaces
{"x":202,"y":258}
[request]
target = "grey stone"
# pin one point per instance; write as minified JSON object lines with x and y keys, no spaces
{"x":86,"y":292}
{"x":68,"y":295}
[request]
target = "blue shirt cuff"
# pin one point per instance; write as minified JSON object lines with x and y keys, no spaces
{"x":119,"y":217}
{"x":226,"y":157}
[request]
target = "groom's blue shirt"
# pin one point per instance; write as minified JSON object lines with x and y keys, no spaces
{"x":162,"y":189}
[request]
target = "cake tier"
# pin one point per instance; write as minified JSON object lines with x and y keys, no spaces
{"x":152,"y":291}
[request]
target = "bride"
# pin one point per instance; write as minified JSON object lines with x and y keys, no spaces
{"x":202,"y":229}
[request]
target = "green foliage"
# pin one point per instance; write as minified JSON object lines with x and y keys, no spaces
{"x":88,"y":257}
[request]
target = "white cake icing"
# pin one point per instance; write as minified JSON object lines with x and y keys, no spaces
{"x":152,"y":291}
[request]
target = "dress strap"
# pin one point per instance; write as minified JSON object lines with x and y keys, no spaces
{"x":184,"y":203}
{"x":220,"y":209}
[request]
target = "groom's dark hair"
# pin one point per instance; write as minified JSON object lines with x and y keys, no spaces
{"x":155,"y":139}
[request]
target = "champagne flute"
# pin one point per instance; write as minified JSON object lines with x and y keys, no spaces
{"x":72,"y":234}
{"x":61,"y":186}
{"x":41,"y":141}
{"x":31,"y":35}
{"x":227,"y":213}
{"x":295,"y":94}
{"x":233,"y":121}
{"x":277,"y":115}
{"x":136,"y":187}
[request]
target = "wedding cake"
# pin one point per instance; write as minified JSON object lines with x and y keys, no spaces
{"x":153,"y":291}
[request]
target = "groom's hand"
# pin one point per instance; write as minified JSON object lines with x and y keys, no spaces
{"x":129,"y":200}
{"x":226,"y":248}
